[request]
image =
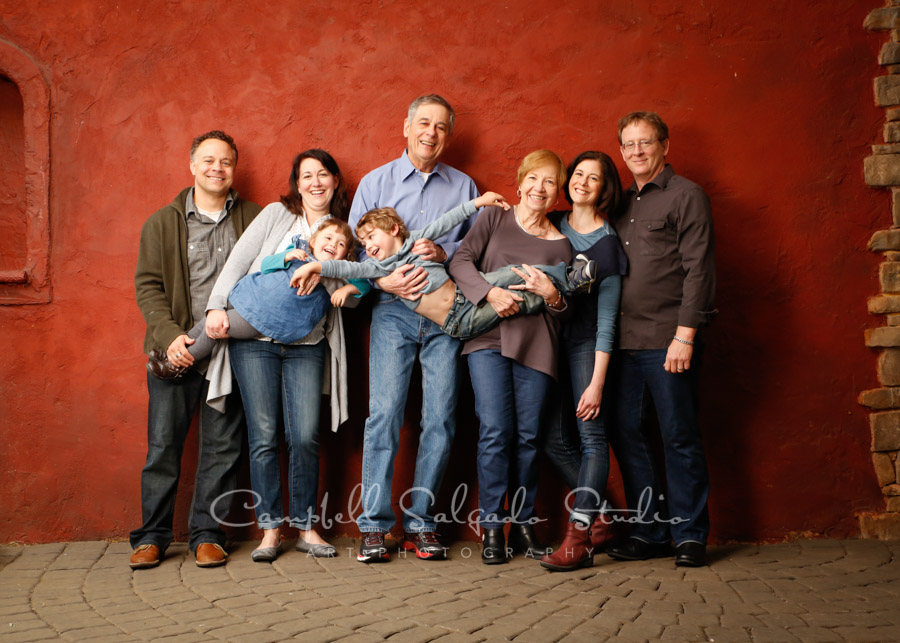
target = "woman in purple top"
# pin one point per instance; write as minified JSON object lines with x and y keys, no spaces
{"x":513,"y":366}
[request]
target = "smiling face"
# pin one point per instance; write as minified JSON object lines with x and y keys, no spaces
{"x":212,"y":165}
{"x":648,"y":160}
{"x":586,"y":183}
{"x":329,"y":243}
{"x":540,"y":189}
{"x":316,"y":186}
{"x":380,"y":244}
{"x":427,"y":134}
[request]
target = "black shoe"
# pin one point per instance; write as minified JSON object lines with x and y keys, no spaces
{"x":635,"y":549}
{"x":372,"y":549}
{"x":690,"y":554}
{"x":425,"y":544}
{"x":522,"y":538}
{"x":493,"y":548}
{"x":582,"y":273}
{"x":159,"y":366}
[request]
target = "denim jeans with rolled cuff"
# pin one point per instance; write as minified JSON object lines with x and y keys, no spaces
{"x":281,"y":386}
{"x":396,"y":337}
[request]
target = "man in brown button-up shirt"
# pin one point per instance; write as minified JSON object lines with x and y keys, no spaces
{"x":667,"y":233}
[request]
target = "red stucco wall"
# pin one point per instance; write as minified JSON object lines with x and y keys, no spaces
{"x":770,"y":108}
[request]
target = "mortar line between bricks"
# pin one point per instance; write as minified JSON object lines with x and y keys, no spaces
{"x":84,"y":597}
{"x":38,"y":582}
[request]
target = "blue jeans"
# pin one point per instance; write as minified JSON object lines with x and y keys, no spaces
{"x":281,"y":386}
{"x":640,"y":380}
{"x":396,"y":336}
{"x":594,"y":462}
{"x":509,"y":400}
{"x":171,"y":409}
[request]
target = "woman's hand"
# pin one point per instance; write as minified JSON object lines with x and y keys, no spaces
{"x":305,"y":278}
{"x":296,"y":253}
{"x":589,"y":405}
{"x":217,"y":324}
{"x":537,"y":282}
{"x":404,"y":282}
{"x":504,"y":302}
{"x":491,"y":198}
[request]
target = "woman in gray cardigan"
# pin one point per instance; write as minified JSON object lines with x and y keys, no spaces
{"x":286,"y":380}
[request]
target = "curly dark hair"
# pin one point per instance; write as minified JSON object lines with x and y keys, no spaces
{"x":340,"y":202}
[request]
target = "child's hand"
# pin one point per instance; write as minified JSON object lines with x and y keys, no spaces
{"x":491,"y":198}
{"x":305,"y":279}
{"x":340,"y":296}
{"x":296,"y":253}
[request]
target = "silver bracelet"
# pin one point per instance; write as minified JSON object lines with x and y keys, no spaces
{"x":683,"y":341}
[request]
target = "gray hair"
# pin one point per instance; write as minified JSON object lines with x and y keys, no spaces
{"x":431,"y":99}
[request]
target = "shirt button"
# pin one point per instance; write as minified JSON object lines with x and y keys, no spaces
{"x":421,"y":211}
{"x":220,"y":250}
{"x":639,"y":198}
{"x":191,"y":247}
{"x":632,"y":221}
{"x":627,"y":243}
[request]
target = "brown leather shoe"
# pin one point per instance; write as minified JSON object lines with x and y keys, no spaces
{"x":159,"y":366}
{"x":144,"y":557}
{"x":210,"y":555}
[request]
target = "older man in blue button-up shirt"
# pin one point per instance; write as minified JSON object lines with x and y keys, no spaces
{"x":420,"y":189}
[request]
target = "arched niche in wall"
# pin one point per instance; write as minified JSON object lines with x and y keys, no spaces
{"x":25,"y":182}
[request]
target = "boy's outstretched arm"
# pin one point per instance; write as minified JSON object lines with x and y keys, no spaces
{"x":302,"y":278}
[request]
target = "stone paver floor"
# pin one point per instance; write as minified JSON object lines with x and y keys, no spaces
{"x":800,"y":591}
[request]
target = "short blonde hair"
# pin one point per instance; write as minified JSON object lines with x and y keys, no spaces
{"x":540,"y":158}
{"x":383,"y":219}
{"x":343,"y":228}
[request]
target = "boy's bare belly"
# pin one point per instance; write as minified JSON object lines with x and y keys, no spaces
{"x":436,"y":305}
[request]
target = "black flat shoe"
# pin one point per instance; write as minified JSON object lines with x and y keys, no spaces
{"x":493,"y":551}
{"x":690,"y":554}
{"x":635,"y":549}
{"x":522,"y":539}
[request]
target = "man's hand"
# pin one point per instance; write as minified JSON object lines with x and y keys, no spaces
{"x":217,"y":324}
{"x":678,"y":357}
{"x":406,"y":282}
{"x":503,"y":301}
{"x":177,"y":351}
{"x":429,"y":250}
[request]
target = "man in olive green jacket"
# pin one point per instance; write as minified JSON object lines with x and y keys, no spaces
{"x":183,"y":248}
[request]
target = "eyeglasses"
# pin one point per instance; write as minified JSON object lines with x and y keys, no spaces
{"x":642,"y":144}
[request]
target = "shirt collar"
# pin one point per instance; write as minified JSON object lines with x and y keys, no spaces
{"x":407,"y":169}
{"x":661,"y":180}
{"x":191,"y":208}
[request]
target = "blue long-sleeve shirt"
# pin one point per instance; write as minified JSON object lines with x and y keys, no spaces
{"x":418,"y":201}
{"x":607,"y":290}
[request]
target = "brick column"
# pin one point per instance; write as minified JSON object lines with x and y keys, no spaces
{"x":882,"y":169}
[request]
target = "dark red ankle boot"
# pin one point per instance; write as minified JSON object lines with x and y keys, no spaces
{"x":574,"y":553}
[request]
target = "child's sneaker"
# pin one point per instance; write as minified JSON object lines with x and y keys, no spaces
{"x":159,"y":366}
{"x":582,"y":273}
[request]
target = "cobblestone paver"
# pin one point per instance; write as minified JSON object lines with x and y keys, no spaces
{"x":799,"y":591}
